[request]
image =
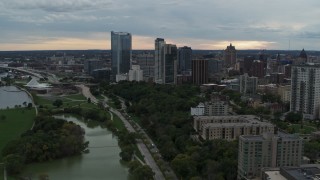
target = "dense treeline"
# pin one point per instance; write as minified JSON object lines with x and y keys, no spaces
{"x":50,"y":139}
{"x":164,"y":112}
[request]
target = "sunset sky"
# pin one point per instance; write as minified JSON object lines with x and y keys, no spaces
{"x":201,"y":24}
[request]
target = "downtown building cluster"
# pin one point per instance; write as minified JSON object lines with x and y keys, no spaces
{"x":261,"y":145}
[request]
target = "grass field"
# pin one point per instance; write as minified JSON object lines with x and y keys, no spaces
{"x":16,"y":122}
{"x":118,"y":123}
{"x":305,"y":130}
{"x":68,"y":101}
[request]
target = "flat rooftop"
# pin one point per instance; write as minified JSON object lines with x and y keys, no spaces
{"x":302,"y":173}
{"x":275,"y":175}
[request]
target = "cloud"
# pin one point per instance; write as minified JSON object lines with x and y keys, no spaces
{"x":310,"y":35}
{"x":204,"y":24}
{"x":58,"y":5}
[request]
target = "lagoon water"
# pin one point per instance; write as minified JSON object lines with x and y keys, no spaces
{"x":101,"y":163}
{"x":11,"y":96}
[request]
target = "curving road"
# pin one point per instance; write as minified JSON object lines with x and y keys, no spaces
{"x":141,"y":146}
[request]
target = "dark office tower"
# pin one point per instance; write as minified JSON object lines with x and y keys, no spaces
{"x":170,"y":64}
{"x":200,"y":71}
{"x":230,"y":56}
{"x":121,"y":51}
{"x":159,"y":57}
{"x":248,"y":61}
{"x":287,"y":71}
{"x":91,"y":65}
{"x":258,"y":69}
{"x":263,"y":58}
{"x":184,"y":59}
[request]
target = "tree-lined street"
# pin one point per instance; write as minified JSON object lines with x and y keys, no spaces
{"x":141,"y":146}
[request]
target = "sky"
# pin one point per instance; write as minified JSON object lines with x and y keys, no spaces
{"x":201,"y":24}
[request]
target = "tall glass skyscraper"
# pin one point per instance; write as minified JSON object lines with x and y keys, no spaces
{"x":159,"y":58}
{"x":121,"y":51}
{"x":184,"y":59}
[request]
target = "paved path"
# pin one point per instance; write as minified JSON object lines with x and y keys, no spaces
{"x":141,"y":146}
{"x":4,"y":172}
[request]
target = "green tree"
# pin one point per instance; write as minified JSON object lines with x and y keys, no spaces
{"x":29,"y":105}
{"x":294,"y":117}
{"x":143,"y":172}
{"x":3,"y":117}
{"x":184,"y":166}
{"x":312,"y":150}
{"x":57,"y":103}
{"x":126,"y":153}
{"x":13,"y":163}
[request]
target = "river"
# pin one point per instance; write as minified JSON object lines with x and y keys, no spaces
{"x":101,"y":163}
{"x":11,"y":96}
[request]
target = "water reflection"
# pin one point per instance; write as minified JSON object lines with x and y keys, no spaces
{"x":11,"y":96}
{"x":102,"y":162}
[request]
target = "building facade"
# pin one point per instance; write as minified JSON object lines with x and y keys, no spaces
{"x":135,"y":73}
{"x":230,"y":56}
{"x":258,"y":69}
{"x":184,"y":59}
{"x":200,"y":71}
{"x":230,"y":127}
{"x":146,"y":63}
{"x":267,"y":151}
{"x":91,"y":65}
{"x":159,"y":60}
{"x":248,"y":85}
{"x":216,"y":108}
{"x":305,"y":90}
{"x":198,"y":111}
{"x":121,"y":52}
{"x":170,"y":64}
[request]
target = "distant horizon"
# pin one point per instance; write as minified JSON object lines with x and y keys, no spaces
{"x":153,"y":50}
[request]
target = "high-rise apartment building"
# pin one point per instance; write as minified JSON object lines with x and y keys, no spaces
{"x":121,"y":51}
{"x":248,"y":85}
{"x":200,"y":71}
{"x":146,"y":63}
{"x":184,"y":59}
{"x":230,"y":56}
{"x":170,"y":64}
{"x":267,"y":151}
{"x":305,"y":90}
{"x":159,"y":59}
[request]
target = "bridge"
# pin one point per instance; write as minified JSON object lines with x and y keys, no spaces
{"x":24,"y":71}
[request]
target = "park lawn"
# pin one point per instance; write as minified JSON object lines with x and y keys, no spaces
{"x":17,"y":121}
{"x":118,"y":123}
{"x":305,"y":130}
{"x":41,"y":100}
{"x":76,"y":97}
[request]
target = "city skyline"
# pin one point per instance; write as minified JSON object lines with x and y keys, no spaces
{"x":84,"y":24}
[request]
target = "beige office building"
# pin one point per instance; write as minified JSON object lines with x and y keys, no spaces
{"x":267,"y":151}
